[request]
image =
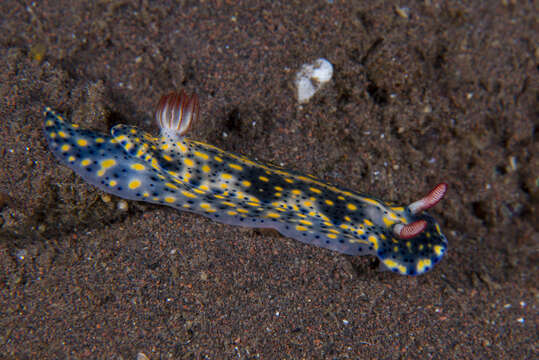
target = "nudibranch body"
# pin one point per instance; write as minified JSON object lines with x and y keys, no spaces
{"x":193,"y":176}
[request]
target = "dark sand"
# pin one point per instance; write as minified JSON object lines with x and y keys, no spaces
{"x":447,"y":94}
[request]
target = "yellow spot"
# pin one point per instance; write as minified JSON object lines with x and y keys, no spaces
{"x":368,"y":222}
{"x":99,"y":140}
{"x":301,"y":228}
{"x":166,"y":157}
{"x":113,"y":183}
{"x":74,"y":126}
{"x":224,"y":186}
{"x":374,"y":241}
{"x":263,"y":178}
{"x":331,"y":236}
{"x":142,"y":150}
{"x":82,"y":142}
{"x":146,"y":194}
{"x":174,"y":173}
{"x":86,"y":162}
{"x":204,"y":187}
{"x":329,"y":202}
{"x":182,"y":147}
{"x":327,"y":223}
{"x":201,"y":155}
{"x":228,"y":203}
{"x":231,"y":213}
{"x":246,"y":183}
{"x":296,"y":192}
{"x":315,"y":190}
{"x":438,"y":250}
{"x":340,"y":197}
{"x":170,"y":199}
{"x":138,"y":167}
{"x":388,"y":222}
{"x":108,"y":163}
{"x":347,"y":218}
{"x":172,"y":186}
{"x":206,"y":168}
{"x":188,"y":194}
{"x":52,"y":135}
{"x":351,"y":207}
{"x":273,"y":215}
{"x":235,"y":167}
{"x":101,"y":172}
{"x":120,"y":138}
{"x":308,"y":203}
{"x":49,"y":123}
{"x":370,"y":201}
{"x":71,"y":158}
{"x":423,"y":264}
{"x":243,"y":211}
{"x":226,"y":176}
{"x":63,"y":134}
{"x":392,"y":264}
{"x":218,"y":159}
{"x":205,"y":205}
{"x":396,"y":249}
{"x":344,"y":226}
{"x":334,"y":231}
{"x":188,"y":162}
{"x":165,"y":146}
{"x":278,"y":188}
{"x":133,"y":131}
{"x":65,"y":147}
{"x":289,"y":180}
{"x":305,"y":222}
{"x":278,"y":194}
{"x":199,"y":191}
{"x":133,"y":184}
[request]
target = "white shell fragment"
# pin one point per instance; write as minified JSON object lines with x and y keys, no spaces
{"x":311,"y":77}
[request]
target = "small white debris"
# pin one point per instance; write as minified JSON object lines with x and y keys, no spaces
{"x":507,"y":306}
{"x":21,"y":254}
{"x":311,"y":77}
{"x":520,"y":320}
{"x":403,"y":12}
{"x":122,"y":205}
{"x":522,"y":304}
{"x":345,"y":322}
{"x":513,"y":163}
{"x":142,"y":356}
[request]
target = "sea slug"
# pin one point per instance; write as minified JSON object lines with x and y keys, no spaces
{"x":193,"y":176}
